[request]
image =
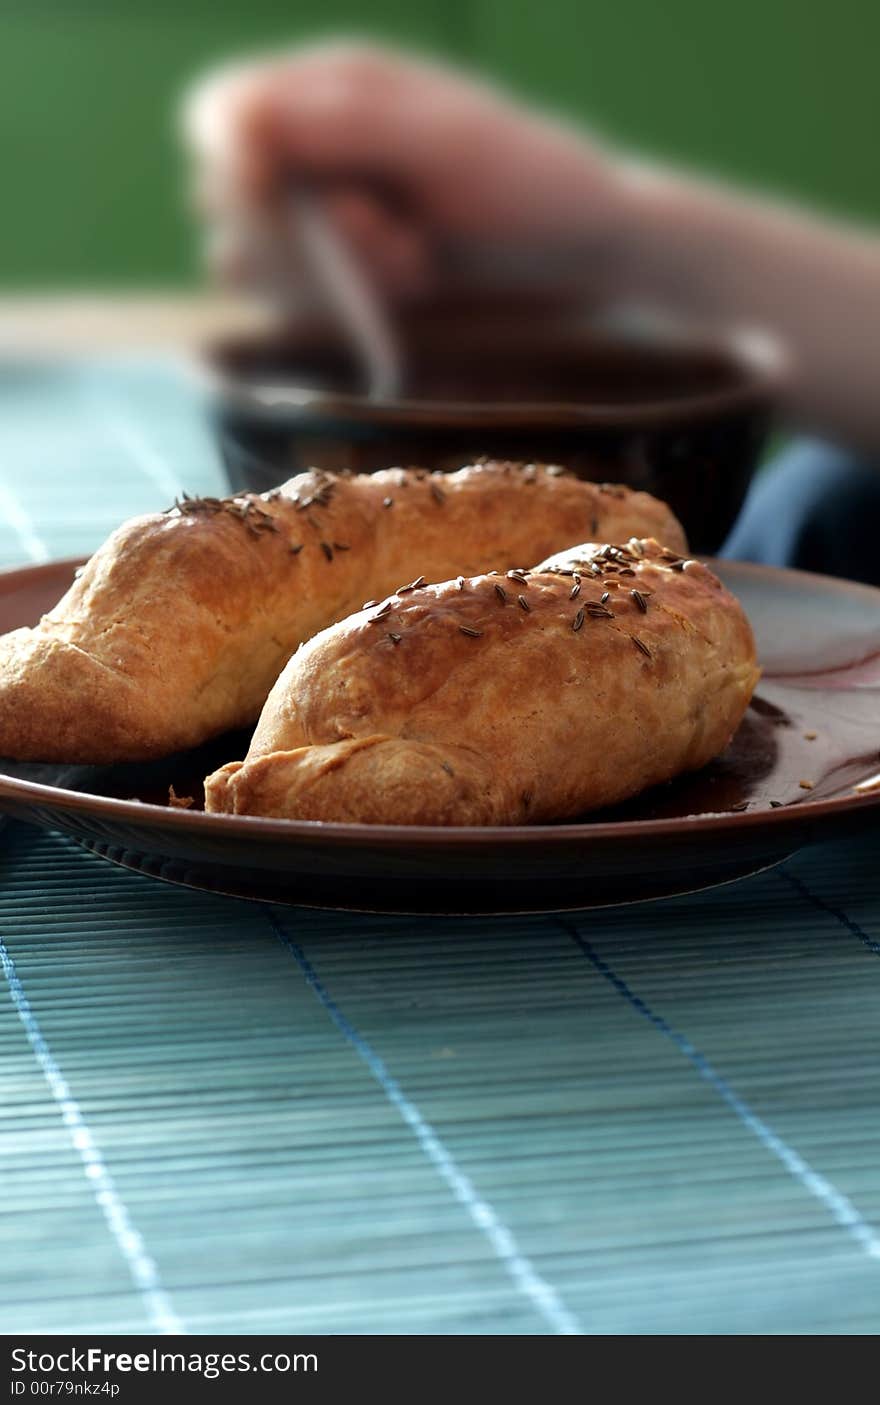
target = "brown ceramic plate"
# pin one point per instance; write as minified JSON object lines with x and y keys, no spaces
{"x":815,"y":719}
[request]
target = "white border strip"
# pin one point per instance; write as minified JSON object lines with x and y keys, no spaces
{"x":141,"y":1266}
{"x":838,"y":1205}
{"x":528,"y":1281}
{"x":146,"y":458}
{"x":21,"y":524}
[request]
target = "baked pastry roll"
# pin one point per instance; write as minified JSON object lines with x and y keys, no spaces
{"x":180,"y":623}
{"x":504,"y":699}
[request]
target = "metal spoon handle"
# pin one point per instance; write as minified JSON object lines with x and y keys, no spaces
{"x":349,"y":293}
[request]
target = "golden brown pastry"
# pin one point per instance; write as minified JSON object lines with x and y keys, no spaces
{"x":504,"y":699}
{"x":179,"y":625}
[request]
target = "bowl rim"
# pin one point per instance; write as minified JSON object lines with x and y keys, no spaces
{"x":757,"y":358}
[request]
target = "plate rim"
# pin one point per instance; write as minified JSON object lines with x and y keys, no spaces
{"x":338,"y":834}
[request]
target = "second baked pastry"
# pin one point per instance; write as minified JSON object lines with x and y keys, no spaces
{"x":504,"y":699}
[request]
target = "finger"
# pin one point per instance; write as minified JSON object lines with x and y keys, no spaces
{"x":222,"y":126}
{"x":393,"y":249}
{"x":321,"y":113}
{"x":263,"y":250}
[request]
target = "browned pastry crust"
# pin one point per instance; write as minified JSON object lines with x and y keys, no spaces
{"x":179,"y":625}
{"x":504,"y":699}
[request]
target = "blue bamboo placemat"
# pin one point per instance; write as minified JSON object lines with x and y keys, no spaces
{"x":221,"y":1117}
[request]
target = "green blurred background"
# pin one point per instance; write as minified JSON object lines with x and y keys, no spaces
{"x":782,"y":93}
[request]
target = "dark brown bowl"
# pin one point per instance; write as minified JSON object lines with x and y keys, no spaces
{"x":680,"y":416}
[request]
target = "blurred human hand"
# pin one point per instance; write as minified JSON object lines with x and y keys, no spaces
{"x":422,"y":168}
{"x":441,"y":183}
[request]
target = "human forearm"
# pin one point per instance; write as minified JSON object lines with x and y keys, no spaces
{"x":727,"y":260}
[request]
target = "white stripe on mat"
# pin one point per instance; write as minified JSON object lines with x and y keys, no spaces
{"x":528,"y":1281}
{"x":144,"y":456}
{"x":12,"y":510}
{"x":839,"y":1206}
{"x":140,"y":1265}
